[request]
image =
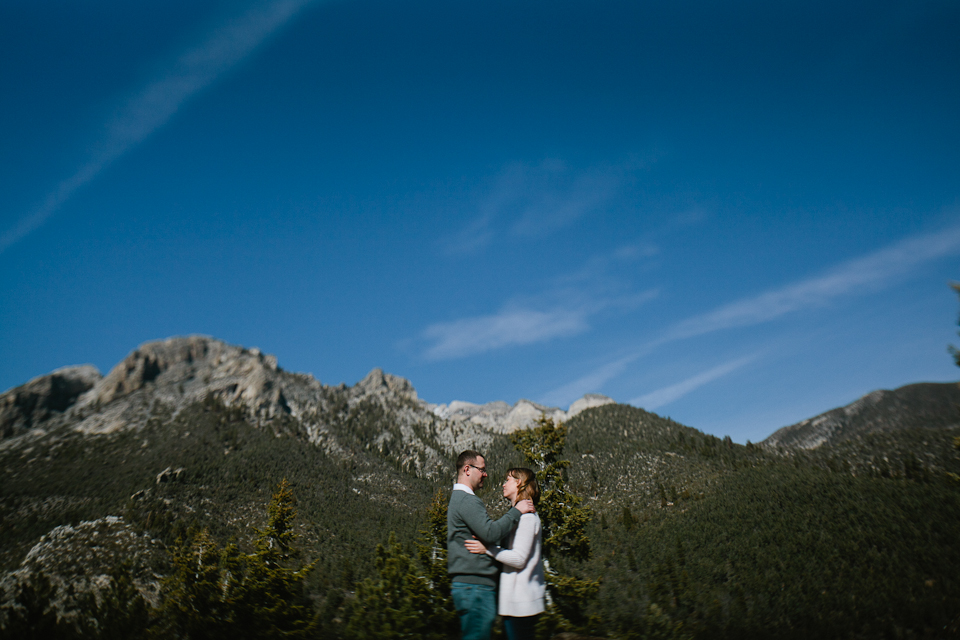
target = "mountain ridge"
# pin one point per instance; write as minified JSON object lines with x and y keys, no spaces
{"x":161,"y":378}
{"x":922,"y":404}
{"x":177,"y":371}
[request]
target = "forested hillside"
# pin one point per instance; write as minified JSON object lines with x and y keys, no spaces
{"x":734,"y":541}
{"x":690,"y":536}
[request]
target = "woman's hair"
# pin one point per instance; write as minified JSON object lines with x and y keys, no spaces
{"x":527,"y":487}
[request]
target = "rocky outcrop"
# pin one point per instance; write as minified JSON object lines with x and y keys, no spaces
{"x":922,"y":405}
{"x":78,"y":560}
{"x":35,"y":402}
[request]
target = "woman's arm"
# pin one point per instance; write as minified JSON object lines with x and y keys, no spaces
{"x":475,"y":546}
{"x":523,"y":545}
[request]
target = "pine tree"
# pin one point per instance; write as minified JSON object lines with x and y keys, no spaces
{"x":225,"y":593}
{"x":956,"y":357}
{"x":953,"y":350}
{"x":122,"y":612}
{"x":432,"y":545}
{"x":274,"y":541}
{"x":562,"y":518}
{"x":400,"y":603}
{"x":193,"y":606}
{"x":271,"y":592}
{"x":32,"y":614}
{"x":563,"y":523}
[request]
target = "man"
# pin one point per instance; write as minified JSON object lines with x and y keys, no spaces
{"x":474,"y":575}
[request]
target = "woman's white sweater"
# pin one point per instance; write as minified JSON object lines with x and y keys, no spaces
{"x":522,"y":583}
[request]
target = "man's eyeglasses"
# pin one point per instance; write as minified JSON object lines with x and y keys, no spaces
{"x":483,"y":470}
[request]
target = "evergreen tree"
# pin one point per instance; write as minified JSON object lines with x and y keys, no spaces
{"x":226,"y":593}
{"x":563,"y":519}
{"x":274,"y":541}
{"x":194,"y":606}
{"x":270,"y":596}
{"x":122,"y":612}
{"x":432,"y":546}
{"x":660,"y":626}
{"x":399,"y":603}
{"x":953,"y":350}
{"x":956,"y":357}
{"x":32,"y":614}
{"x":563,"y":523}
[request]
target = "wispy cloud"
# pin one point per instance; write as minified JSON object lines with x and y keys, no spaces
{"x":597,"y":273}
{"x":470,"y":336}
{"x":666,"y":395}
{"x":564,"y":309}
{"x":871,"y":272}
{"x":534,"y":200}
{"x":551,"y":198}
{"x":515,"y":326}
{"x":155,"y":103}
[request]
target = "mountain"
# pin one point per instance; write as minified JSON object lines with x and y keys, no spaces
{"x":889,"y":433}
{"x":917,"y":406}
{"x":159,"y":379}
{"x":843,"y":525}
{"x":194,"y":430}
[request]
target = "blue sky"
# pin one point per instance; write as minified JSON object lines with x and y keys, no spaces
{"x":735,"y":214}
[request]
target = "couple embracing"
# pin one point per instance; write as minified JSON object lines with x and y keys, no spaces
{"x":477,"y":546}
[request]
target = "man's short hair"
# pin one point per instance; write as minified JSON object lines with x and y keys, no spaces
{"x":467,"y":457}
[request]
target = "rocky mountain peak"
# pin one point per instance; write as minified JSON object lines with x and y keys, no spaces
{"x":180,"y":358}
{"x":182,"y":370}
{"x":378,"y":383}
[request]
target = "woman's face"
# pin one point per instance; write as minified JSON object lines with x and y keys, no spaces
{"x":510,"y":488}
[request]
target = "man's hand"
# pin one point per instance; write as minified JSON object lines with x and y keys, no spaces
{"x":525,"y":506}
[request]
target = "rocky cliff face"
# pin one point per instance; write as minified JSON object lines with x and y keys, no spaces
{"x":923,"y":405}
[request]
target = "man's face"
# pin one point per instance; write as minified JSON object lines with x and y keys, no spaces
{"x":476,"y":473}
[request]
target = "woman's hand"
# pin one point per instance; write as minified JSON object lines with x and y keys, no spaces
{"x":475,"y":546}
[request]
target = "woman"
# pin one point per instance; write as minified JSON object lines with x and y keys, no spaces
{"x":522,"y":583}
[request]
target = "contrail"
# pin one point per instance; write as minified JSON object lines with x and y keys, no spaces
{"x":153,"y":105}
{"x":666,"y":395}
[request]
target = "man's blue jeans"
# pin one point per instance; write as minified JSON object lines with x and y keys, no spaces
{"x":477,"y":607}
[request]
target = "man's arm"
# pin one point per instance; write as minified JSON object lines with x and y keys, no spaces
{"x":474,"y":515}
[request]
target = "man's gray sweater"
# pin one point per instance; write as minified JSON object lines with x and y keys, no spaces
{"x":467,"y":517}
